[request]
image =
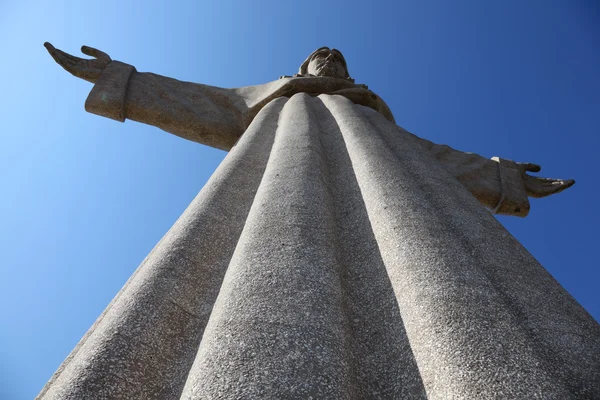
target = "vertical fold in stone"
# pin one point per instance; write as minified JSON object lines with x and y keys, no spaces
{"x":468,"y":339}
{"x":278,"y":328}
{"x":385,"y":367}
{"x":560,"y":332}
{"x":144,"y":343}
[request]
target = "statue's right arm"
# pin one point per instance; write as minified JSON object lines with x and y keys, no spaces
{"x":205,"y":114}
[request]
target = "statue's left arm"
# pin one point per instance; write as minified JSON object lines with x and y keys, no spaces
{"x":501,"y":185}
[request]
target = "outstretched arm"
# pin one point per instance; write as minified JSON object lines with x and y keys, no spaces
{"x":501,"y":185}
{"x":205,"y":114}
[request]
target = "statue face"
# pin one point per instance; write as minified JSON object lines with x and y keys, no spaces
{"x":328,"y":62}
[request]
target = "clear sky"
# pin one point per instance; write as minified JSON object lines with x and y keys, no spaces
{"x":86,"y":198}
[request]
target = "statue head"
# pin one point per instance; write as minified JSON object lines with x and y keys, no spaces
{"x":325,"y":62}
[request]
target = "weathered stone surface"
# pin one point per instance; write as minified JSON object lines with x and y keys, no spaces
{"x":145,"y":341}
{"x":480,"y":313}
{"x":331,"y":255}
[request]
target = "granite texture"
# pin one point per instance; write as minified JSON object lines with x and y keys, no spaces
{"x":483,"y":318}
{"x":144,"y":343}
{"x":331,"y":255}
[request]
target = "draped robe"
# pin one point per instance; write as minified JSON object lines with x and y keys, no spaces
{"x":332,"y":254}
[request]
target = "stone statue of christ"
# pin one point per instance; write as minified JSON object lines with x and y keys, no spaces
{"x":332,"y":254}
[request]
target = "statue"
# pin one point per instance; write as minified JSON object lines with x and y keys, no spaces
{"x":332,"y":254}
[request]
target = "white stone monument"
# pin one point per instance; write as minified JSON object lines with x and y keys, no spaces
{"x":331,"y":255}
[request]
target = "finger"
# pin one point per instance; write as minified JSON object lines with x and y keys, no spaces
{"x":52,"y":50}
{"x":49,"y":47}
{"x":533,"y":167}
{"x":557,"y":187}
{"x":549,"y":182}
{"x":67,"y":59}
{"x":561,"y":184}
{"x":71,"y":57}
{"x":90,"y":51}
{"x":542,"y":187}
{"x":63,"y":59}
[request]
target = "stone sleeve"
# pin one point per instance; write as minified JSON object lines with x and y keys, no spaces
{"x":496,"y":182}
{"x":513,"y":198}
{"x":107,"y":97}
{"x":201,"y":113}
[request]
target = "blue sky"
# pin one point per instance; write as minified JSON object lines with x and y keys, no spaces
{"x":86,"y":198}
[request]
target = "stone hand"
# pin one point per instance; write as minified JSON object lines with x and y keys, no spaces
{"x":541,"y":187}
{"x":89,"y":70}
